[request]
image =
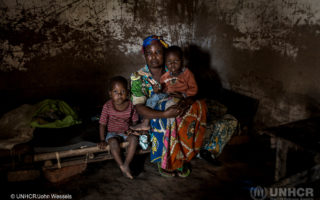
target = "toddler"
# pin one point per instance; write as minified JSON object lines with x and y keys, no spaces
{"x":178,"y":82}
{"x":117,"y":115}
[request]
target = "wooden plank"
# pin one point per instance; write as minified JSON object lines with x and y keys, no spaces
{"x":86,"y":159}
{"x":79,"y":145}
{"x":74,"y":152}
{"x":79,"y":161}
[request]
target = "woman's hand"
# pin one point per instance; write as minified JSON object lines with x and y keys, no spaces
{"x":177,"y":95}
{"x":184,"y":105}
{"x":173,"y":111}
{"x":156,"y":88}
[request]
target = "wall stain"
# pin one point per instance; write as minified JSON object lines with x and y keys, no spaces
{"x":260,"y":48}
{"x":87,"y":27}
{"x":267,"y":23}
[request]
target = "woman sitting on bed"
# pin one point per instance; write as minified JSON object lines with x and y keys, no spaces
{"x":177,"y":128}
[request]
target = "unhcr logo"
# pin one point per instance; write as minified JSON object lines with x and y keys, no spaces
{"x":260,"y":193}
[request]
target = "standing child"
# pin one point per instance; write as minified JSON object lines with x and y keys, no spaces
{"x":178,"y":82}
{"x":116,"y":117}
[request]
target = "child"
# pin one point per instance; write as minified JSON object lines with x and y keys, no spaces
{"x":178,"y":82}
{"x":117,"y":114}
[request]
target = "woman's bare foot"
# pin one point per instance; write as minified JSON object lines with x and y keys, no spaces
{"x":140,"y":127}
{"x":126,"y":171}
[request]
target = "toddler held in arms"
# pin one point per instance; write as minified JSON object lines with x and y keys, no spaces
{"x":178,"y":82}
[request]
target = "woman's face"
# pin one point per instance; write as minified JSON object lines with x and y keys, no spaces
{"x":154,"y":55}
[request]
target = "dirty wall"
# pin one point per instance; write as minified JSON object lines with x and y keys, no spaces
{"x":265,"y":49}
{"x":268,"y":50}
{"x":69,"y":49}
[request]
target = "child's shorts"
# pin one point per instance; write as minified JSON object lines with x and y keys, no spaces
{"x":121,"y":136}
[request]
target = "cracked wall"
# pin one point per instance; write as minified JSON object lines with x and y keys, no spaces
{"x":88,"y":28}
{"x":265,"y":49}
{"x":54,"y":48}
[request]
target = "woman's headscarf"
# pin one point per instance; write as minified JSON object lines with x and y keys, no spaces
{"x":148,"y":40}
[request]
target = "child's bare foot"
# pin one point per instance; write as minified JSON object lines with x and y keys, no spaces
{"x":140,"y":127}
{"x":126,"y":171}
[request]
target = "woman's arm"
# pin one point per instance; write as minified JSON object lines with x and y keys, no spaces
{"x":149,"y":113}
{"x":139,"y":99}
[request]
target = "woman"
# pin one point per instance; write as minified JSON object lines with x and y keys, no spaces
{"x":175,"y":140}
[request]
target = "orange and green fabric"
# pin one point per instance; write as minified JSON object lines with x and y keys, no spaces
{"x":174,"y":140}
{"x":183,"y":137}
{"x":141,"y":85}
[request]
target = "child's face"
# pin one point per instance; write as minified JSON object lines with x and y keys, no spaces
{"x":118,"y":93}
{"x":174,"y":63}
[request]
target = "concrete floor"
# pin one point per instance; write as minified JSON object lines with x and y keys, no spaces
{"x":240,"y":167}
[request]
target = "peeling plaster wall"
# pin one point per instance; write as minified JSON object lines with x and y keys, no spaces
{"x":268,"y":50}
{"x":89,"y":28}
{"x":265,"y":49}
{"x":56,"y":48}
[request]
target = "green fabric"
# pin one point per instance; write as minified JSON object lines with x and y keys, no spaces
{"x":136,"y":87}
{"x":59,"y":112}
{"x":141,"y":88}
{"x":183,"y":172}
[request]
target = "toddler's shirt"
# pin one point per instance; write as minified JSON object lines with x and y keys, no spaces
{"x":117,"y":121}
{"x":183,"y":83}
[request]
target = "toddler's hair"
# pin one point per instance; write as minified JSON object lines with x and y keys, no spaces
{"x":117,"y":79}
{"x":174,"y":49}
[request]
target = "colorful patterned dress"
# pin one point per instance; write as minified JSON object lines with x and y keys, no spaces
{"x":174,"y":140}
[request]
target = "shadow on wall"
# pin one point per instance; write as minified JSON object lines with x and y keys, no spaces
{"x":208,"y":80}
{"x":244,"y":108}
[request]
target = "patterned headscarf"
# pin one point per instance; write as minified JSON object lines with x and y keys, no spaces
{"x":148,"y":40}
